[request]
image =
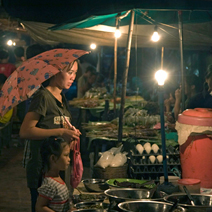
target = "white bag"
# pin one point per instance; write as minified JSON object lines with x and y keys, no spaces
{"x":119,"y":160}
{"x":105,"y":159}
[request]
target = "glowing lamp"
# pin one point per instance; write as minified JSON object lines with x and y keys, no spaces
{"x":155,"y":37}
{"x":9,"y":42}
{"x":161,"y":76}
{"x":93,"y":46}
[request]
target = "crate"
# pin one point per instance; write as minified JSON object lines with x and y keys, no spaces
{"x":111,"y":172}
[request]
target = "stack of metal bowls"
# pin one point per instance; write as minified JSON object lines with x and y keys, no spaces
{"x":147,"y":206}
{"x":203,"y":203}
{"x":119,"y":195}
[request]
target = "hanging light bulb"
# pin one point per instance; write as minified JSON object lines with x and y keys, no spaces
{"x":9,"y":42}
{"x":161,"y":76}
{"x":93,"y":46}
{"x":117,"y":33}
{"x":155,"y":37}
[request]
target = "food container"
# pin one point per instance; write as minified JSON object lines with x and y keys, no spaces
{"x":147,"y":205}
{"x":203,"y":203}
{"x":171,"y":179}
{"x":193,"y":185}
{"x":95,"y":185}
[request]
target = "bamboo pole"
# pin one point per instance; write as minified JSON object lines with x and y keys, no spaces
{"x":180,"y":24}
{"x":125,"y":74}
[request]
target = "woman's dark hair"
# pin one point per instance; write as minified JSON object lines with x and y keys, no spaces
{"x":34,"y":50}
{"x":19,"y":51}
{"x":46,"y":83}
{"x":51,"y":146}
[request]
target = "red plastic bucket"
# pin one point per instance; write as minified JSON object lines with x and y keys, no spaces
{"x":196,"y":152}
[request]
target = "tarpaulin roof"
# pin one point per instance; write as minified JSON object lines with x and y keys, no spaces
{"x":142,"y":17}
{"x":196,"y":36}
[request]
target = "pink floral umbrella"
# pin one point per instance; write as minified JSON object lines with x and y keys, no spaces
{"x":27,"y":78}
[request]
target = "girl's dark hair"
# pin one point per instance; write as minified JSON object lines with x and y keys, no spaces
{"x":51,"y":146}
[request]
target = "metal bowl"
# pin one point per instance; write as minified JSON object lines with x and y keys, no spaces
{"x":87,"y":198}
{"x":91,"y":205}
{"x":202,"y":202}
{"x":88,"y":210}
{"x":147,"y":205}
{"x":95,"y":185}
{"x":129,"y":194}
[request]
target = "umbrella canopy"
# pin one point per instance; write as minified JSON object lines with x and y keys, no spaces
{"x":27,"y":78}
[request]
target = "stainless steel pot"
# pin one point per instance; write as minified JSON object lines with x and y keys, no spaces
{"x":119,"y":195}
{"x":147,"y":205}
{"x":203,"y":203}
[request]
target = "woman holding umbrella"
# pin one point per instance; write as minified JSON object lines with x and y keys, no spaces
{"x":45,"y":118}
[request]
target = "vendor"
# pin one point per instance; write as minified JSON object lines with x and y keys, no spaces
{"x":204,"y":98}
{"x":86,"y":81}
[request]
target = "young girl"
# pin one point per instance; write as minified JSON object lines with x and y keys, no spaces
{"x":53,"y":193}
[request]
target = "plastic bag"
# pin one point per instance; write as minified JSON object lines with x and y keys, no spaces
{"x":115,"y":150}
{"x":119,"y":160}
{"x":77,"y":166}
{"x":105,"y":159}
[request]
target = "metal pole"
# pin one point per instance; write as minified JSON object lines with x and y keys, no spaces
{"x":115,"y":70}
{"x":125,"y":74}
{"x":163,"y":136}
{"x":162,"y":53}
{"x":181,"y":56}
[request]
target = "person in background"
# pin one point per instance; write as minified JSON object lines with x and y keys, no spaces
{"x":19,"y":56}
{"x":169,"y":102}
{"x":86,"y":81}
{"x":7,"y":117}
{"x":6,"y":68}
{"x":204,"y":98}
{"x":192,"y":87}
{"x":100,"y":81}
{"x":53,"y":193}
{"x":44,"y":120}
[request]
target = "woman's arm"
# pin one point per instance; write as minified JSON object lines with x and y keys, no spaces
{"x":30,"y":131}
{"x":177,"y":107}
{"x":41,"y":205}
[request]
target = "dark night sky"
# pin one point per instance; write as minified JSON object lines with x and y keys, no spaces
{"x":58,"y":11}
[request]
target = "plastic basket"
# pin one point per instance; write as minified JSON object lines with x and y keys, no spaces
{"x":110,"y":172}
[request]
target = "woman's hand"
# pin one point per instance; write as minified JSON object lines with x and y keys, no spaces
{"x":70,"y":135}
{"x":178,"y":94}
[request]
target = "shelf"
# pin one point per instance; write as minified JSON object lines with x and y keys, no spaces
{"x":156,"y":164}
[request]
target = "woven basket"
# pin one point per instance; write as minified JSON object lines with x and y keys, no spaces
{"x":110,"y":172}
